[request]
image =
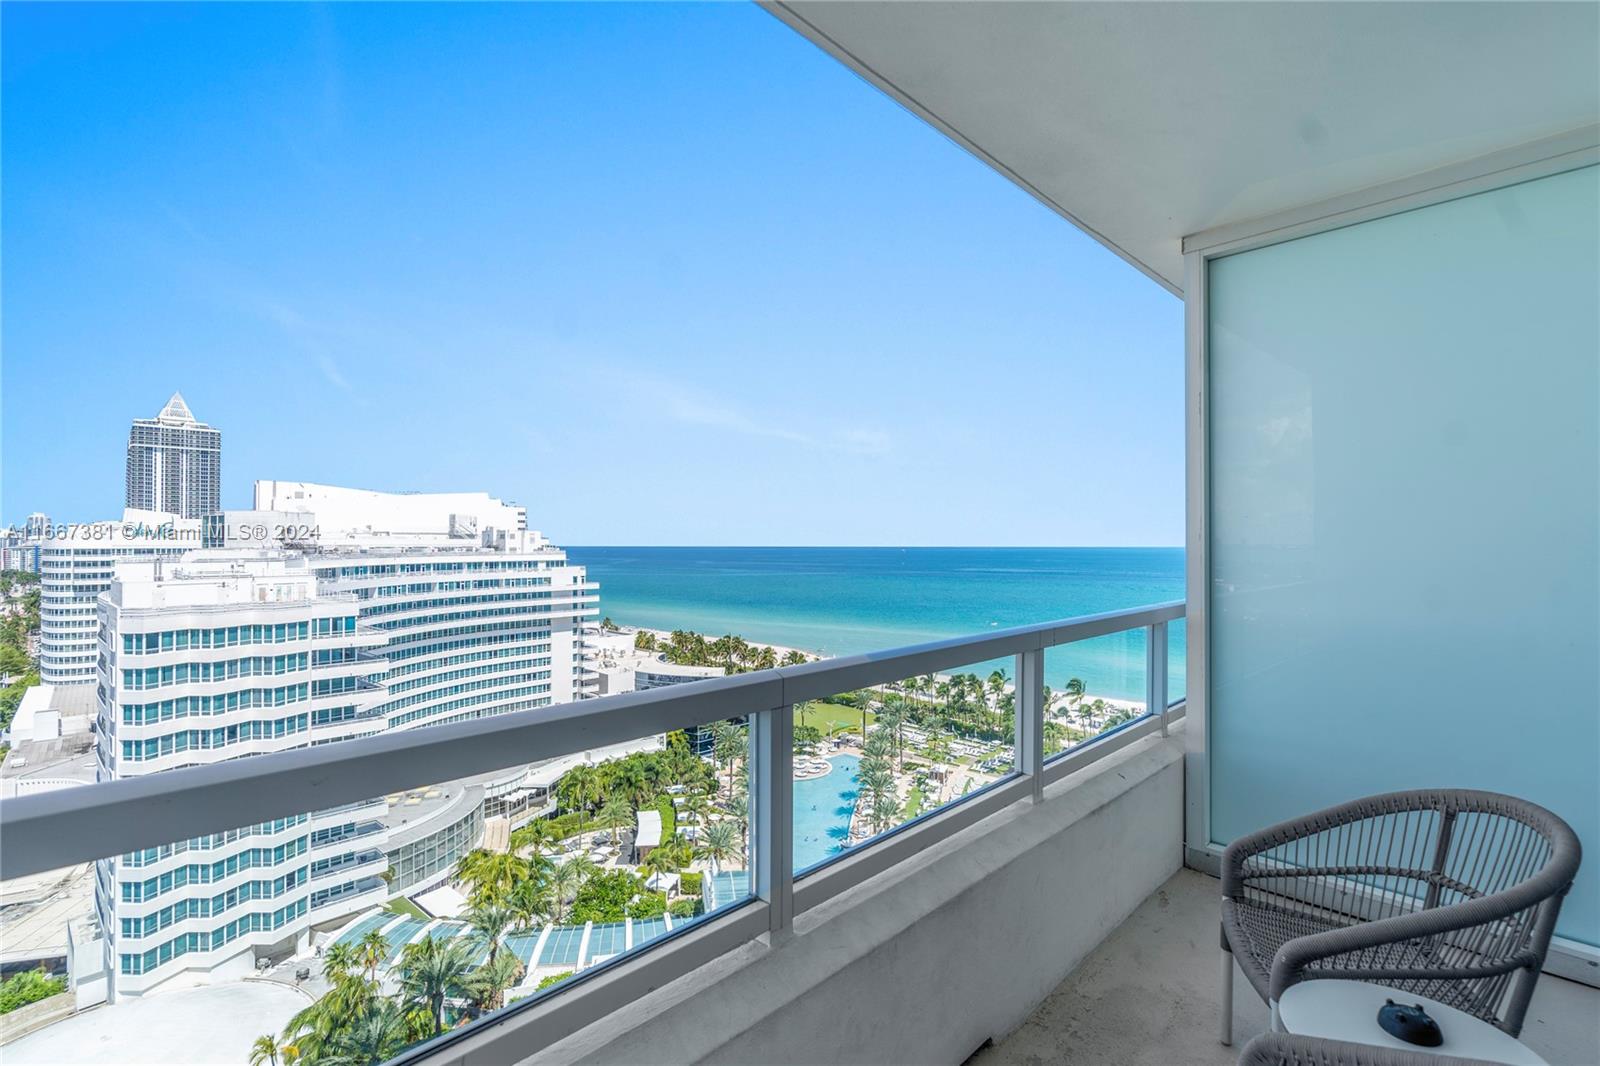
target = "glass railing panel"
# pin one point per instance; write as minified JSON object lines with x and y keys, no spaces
{"x":1177,"y":659}
{"x":873,"y":759}
{"x":1091,"y":687}
{"x":457,"y":902}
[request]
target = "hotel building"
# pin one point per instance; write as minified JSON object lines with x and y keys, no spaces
{"x":175,"y":463}
{"x":217,"y":656}
{"x":403,"y":611}
{"x":76,"y":564}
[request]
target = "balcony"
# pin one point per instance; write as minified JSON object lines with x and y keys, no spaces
{"x":1389,"y":296}
{"x":346,"y":867}
{"x":1082,"y":900}
{"x":1148,"y":996}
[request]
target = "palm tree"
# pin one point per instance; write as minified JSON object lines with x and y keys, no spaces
{"x":630,"y":782}
{"x":739,"y":809}
{"x":492,"y":875}
{"x":892,"y":720}
{"x":566,"y":879}
{"x":338,"y":961}
{"x":698,"y":804}
{"x":877,"y":785}
{"x":486,"y":986}
{"x":719,"y":843}
{"x":997,"y":687}
{"x":529,"y":901}
{"x":614,"y":816}
{"x":432,"y":971}
{"x":371,"y":950}
{"x":580,"y":789}
{"x":727,"y":745}
{"x":376,"y":1035}
{"x":491,"y":922}
{"x":264,"y":1052}
{"x":535,"y":836}
{"x":879,"y":747}
{"x":672,"y":856}
{"x":1074,"y":691}
{"x":318,"y":1028}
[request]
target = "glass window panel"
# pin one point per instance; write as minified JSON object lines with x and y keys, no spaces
{"x":1405,"y":504}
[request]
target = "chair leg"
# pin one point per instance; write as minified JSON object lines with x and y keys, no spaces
{"x":1227,"y":998}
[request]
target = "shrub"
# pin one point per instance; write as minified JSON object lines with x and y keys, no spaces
{"x":29,"y":986}
{"x":684,"y":908}
{"x":669,"y":817}
{"x":605,"y":897}
{"x":689,"y":883}
{"x":649,"y":905}
{"x":553,"y":979}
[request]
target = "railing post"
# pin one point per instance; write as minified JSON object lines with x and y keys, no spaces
{"x":1030,"y":718}
{"x":772,"y":816}
{"x":1155,"y":672}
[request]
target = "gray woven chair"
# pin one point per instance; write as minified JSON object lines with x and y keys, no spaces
{"x":1285,"y":1049}
{"x":1450,"y":894}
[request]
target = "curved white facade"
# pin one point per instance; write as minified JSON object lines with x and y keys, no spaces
{"x":470,"y":631}
{"x":214,"y":657}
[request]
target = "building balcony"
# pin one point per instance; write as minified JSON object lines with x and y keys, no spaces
{"x":359,"y":831}
{"x":347,"y":899}
{"x":364,"y":861}
{"x":1043,"y":909}
{"x":1147,"y":995}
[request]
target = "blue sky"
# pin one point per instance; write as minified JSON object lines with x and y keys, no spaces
{"x":665,"y":274}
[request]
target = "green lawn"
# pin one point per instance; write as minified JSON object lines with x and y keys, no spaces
{"x":832,"y":717}
{"x":401,"y":905}
{"x":914,"y":802}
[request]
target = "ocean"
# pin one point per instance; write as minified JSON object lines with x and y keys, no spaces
{"x":840,"y":601}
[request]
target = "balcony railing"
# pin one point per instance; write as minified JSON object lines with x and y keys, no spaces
{"x":55,"y":829}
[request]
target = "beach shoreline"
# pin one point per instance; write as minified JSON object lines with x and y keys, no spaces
{"x":1113,"y":704}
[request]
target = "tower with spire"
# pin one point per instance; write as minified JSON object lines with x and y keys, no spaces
{"x":175,"y":463}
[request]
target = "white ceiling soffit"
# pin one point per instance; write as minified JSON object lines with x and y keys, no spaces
{"x":1145,"y":122}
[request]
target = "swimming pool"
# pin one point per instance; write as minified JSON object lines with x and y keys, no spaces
{"x":822,"y":811}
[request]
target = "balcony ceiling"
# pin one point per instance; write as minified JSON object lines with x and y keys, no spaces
{"x":1144,"y":122}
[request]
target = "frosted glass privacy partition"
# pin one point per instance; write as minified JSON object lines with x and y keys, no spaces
{"x":1405,"y":513}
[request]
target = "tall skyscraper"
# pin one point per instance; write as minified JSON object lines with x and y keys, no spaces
{"x":175,"y":463}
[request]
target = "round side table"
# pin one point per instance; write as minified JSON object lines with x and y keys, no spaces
{"x":1348,"y":1010}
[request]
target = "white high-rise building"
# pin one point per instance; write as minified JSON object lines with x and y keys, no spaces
{"x":438,"y":616}
{"x":175,"y":463}
{"x":76,"y":563}
{"x":216,"y":656}
{"x":483,"y":615}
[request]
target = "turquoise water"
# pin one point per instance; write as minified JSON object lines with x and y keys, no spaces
{"x":822,"y":812}
{"x":841,"y":601}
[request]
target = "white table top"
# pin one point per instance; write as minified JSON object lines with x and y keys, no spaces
{"x":1348,"y":1010}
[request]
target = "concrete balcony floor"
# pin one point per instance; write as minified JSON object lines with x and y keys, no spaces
{"x":1147,"y":996}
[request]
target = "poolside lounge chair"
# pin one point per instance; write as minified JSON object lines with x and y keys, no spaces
{"x":1451,"y":894}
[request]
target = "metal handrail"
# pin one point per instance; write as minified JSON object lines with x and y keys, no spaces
{"x":54,"y":829}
